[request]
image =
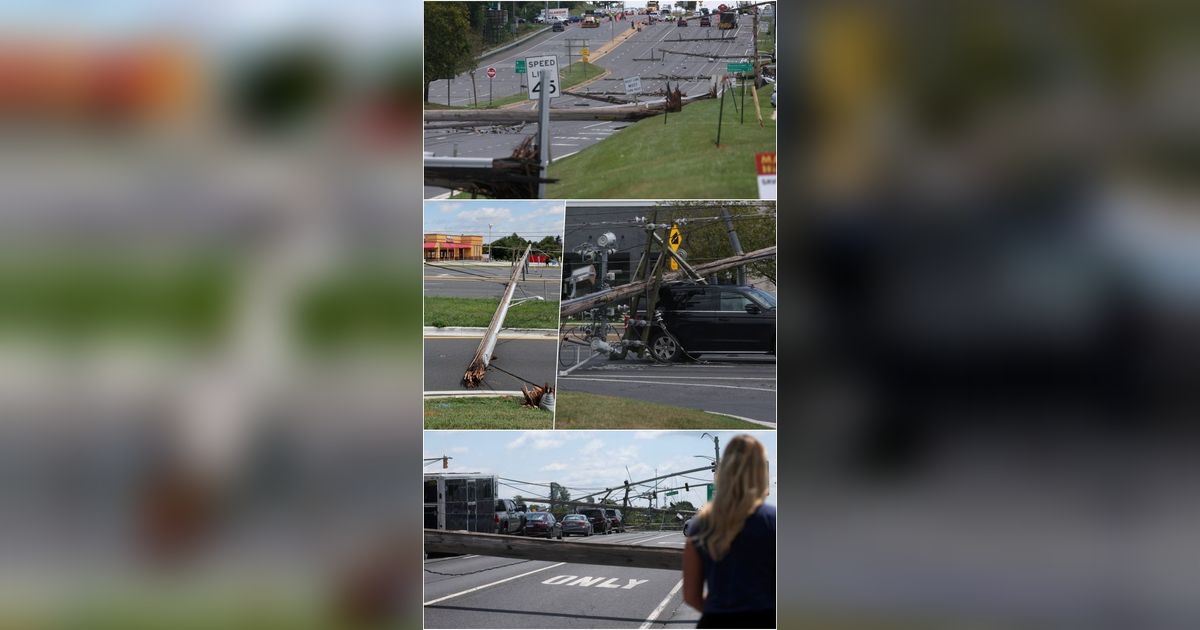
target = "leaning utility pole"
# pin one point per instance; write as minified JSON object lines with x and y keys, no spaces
{"x":592,"y":300}
{"x":478,"y":367}
{"x":737,"y":244}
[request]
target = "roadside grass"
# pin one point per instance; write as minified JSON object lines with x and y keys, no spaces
{"x":500,"y":412}
{"x":457,"y":311}
{"x":678,"y":160}
{"x":579,"y":410}
{"x":568,"y":78}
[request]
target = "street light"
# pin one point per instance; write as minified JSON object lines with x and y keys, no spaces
{"x":489,"y":242}
{"x":716,"y":447}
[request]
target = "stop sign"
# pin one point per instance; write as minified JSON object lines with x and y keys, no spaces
{"x":491,"y":72}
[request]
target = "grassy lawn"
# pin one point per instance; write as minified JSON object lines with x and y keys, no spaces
{"x":685,"y":162}
{"x":500,"y":412}
{"x":579,"y":410}
{"x":456,"y":311}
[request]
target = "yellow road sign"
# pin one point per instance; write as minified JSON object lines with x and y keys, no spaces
{"x":674,"y":239}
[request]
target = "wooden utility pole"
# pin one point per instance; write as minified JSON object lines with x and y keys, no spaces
{"x":483,"y":355}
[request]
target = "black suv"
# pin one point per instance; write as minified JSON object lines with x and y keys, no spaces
{"x":615,"y":520}
{"x":596,"y":516}
{"x":709,"y":318}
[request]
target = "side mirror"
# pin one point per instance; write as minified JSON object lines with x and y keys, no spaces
{"x":753,"y":309}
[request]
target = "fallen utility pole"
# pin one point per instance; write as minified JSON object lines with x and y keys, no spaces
{"x":642,"y":481}
{"x":512,"y":116}
{"x":479,"y":365}
{"x":607,"y":554}
{"x":590,"y":301}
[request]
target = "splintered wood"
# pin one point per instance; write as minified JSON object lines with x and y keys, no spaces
{"x":533,"y":396}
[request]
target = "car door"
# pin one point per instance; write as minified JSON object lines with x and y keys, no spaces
{"x":690,"y":316}
{"x":744,"y":330}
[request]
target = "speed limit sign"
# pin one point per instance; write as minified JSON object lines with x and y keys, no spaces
{"x":491,"y":72}
{"x":537,"y":66}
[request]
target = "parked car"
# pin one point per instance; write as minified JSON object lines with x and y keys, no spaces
{"x":573,"y":524}
{"x":708,"y":318}
{"x":510,"y":516}
{"x":704,"y":21}
{"x":597,"y":518}
{"x":542,"y":524}
{"x":557,"y":27}
{"x":616,"y":520}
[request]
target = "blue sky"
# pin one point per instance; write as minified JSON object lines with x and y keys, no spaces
{"x":581,"y":459}
{"x":531,"y":219}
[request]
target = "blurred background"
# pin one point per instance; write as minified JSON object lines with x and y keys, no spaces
{"x":209,"y":313}
{"x":995,"y":417}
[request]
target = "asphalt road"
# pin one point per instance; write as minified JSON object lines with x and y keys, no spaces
{"x":458,"y":281}
{"x":631,"y":58}
{"x":540,"y":594}
{"x":446,"y":359}
{"x":740,"y":385}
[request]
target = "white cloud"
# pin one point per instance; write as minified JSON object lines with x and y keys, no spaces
{"x":460,"y":449}
{"x":555,"y":466}
{"x":545,"y":443}
{"x":486,"y":214}
{"x":647,"y":435}
{"x":592,"y":446}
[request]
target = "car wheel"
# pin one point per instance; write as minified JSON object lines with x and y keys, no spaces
{"x":664,"y":348}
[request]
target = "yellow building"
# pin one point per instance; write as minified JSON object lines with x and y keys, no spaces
{"x":452,"y":247}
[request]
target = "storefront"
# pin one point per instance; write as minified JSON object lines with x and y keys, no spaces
{"x":453,"y":247}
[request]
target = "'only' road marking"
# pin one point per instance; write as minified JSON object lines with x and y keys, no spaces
{"x":587,"y":580}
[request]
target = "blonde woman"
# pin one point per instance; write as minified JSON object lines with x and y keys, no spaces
{"x":730,"y":544}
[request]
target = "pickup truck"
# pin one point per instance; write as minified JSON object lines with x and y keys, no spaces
{"x":510,"y":516}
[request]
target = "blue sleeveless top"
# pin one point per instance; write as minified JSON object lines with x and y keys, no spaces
{"x":744,"y":580}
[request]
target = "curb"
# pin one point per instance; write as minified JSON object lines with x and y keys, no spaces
{"x":744,"y":419}
{"x":472,"y":331}
{"x":485,"y":394}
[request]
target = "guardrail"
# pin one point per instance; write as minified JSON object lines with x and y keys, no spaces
{"x":553,"y":550}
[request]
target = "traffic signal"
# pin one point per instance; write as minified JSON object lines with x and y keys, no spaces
{"x":685,"y":487}
{"x":445,"y":462}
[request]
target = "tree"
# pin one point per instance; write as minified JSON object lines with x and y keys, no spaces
{"x":551,"y":245}
{"x":450,"y":44}
{"x":508,"y":247}
{"x":709,"y":240}
{"x":683,"y":506}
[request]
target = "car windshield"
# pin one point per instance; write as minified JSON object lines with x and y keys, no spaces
{"x":765,"y":297}
{"x":537,"y":516}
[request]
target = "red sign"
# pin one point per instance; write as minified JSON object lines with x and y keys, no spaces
{"x":765,"y":162}
{"x":722,"y":8}
{"x":491,"y":72}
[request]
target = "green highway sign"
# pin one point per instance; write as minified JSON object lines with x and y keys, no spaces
{"x":740,"y":67}
{"x":671,"y":493}
{"x":710,"y":491}
{"x":520,"y":66}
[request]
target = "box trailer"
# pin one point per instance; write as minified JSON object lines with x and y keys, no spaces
{"x":460,"y":501}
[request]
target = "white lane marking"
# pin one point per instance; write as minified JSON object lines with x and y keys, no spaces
{"x":654,"y":538}
{"x":483,"y":586}
{"x":662,"y":606}
{"x":596,"y":124}
{"x":628,"y":380}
